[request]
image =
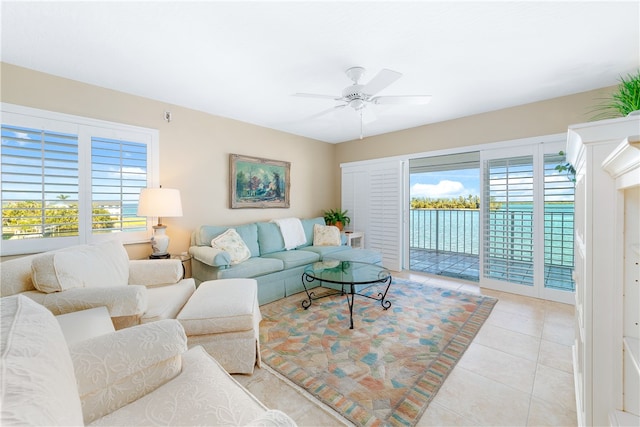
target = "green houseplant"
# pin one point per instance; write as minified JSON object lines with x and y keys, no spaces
{"x":336,"y":217}
{"x":624,"y":100}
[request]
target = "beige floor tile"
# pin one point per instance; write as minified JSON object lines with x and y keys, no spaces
{"x":515,"y":322}
{"x":514,"y":343}
{"x":497,"y":365}
{"x":550,"y":414}
{"x":556,"y":386}
{"x":437,"y":415}
{"x":483,"y":401}
{"x":561,"y":334}
{"x":556,"y":355}
{"x":276,"y":393}
{"x":522,"y":306}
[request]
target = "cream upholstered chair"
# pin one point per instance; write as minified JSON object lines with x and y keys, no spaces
{"x":137,"y":376}
{"x":87,"y":276}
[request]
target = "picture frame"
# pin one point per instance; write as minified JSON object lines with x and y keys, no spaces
{"x":259,"y":183}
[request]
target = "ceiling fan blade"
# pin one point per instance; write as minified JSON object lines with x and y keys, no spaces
{"x":325,"y":112}
{"x":402,"y":100}
{"x":383,"y":79}
{"x":315,"y":95}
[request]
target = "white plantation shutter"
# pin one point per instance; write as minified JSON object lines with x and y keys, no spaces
{"x":509,"y":220}
{"x":373,"y":193}
{"x":69,"y":179}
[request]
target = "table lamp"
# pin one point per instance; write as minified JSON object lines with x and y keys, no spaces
{"x":159,"y":202}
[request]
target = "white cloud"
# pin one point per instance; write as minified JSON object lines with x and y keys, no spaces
{"x":444,"y":188}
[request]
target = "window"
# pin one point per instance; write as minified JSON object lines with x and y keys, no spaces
{"x":69,"y":180}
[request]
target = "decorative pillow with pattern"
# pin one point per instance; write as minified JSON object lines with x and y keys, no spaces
{"x":326,"y":235}
{"x":231,"y":242}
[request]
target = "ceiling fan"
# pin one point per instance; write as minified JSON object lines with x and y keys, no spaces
{"x":359,"y":96}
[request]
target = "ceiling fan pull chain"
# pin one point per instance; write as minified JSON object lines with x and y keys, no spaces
{"x":360,"y":124}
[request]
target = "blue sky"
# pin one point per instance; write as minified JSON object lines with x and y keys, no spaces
{"x":445,"y":184}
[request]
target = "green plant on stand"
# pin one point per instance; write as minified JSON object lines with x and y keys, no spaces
{"x":625,"y":100}
{"x":337,"y":217}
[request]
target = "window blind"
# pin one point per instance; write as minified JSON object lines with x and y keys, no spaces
{"x":39,"y":183}
{"x":508,"y":231}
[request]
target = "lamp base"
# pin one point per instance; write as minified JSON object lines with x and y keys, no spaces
{"x":159,"y":241}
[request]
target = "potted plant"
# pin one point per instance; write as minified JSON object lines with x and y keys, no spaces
{"x":625,"y":100}
{"x":336,"y":217}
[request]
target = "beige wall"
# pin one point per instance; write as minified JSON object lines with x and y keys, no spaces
{"x":194,"y":151}
{"x":541,"y":118}
{"x":195,"y":146}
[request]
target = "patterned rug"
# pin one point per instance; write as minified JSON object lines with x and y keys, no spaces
{"x":388,"y":368}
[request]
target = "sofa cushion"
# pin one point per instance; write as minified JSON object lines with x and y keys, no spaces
{"x":324,"y":251}
{"x":307,"y":225}
{"x":38,"y":380}
{"x":293,"y":259}
{"x":269,"y":238}
{"x":360,"y":255}
{"x":231,"y":242}
{"x":326,"y":235}
{"x":251,"y":268}
{"x":99,"y":265}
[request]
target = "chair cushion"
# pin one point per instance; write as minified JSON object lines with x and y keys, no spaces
{"x":326,"y":235}
{"x":202,"y":394}
{"x":38,"y":380}
{"x":165,"y":302}
{"x":100,"y":265}
{"x":221,"y":306}
{"x":231,"y":242}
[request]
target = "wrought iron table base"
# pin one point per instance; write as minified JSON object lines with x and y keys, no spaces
{"x":350,"y":294}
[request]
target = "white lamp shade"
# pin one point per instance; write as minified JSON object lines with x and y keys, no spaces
{"x":159,"y":202}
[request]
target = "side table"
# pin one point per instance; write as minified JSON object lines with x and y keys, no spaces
{"x":358,"y":236}
{"x":186,"y":263}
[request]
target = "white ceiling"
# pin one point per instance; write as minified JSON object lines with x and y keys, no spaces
{"x":244,"y":60}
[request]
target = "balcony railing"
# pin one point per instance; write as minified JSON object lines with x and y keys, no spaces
{"x":458,"y":231}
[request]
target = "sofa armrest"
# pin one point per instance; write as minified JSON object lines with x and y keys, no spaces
{"x":152,"y":272}
{"x":116,"y":369}
{"x":120,"y":300}
{"x":211,"y":256}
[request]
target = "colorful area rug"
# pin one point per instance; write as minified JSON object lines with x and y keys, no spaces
{"x":388,"y":368}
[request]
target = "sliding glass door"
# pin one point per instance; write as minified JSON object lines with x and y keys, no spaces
{"x":527,"y":217}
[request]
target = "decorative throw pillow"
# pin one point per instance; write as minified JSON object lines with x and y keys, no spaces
{"x":231,"y":242}
{"x":326,"y":235}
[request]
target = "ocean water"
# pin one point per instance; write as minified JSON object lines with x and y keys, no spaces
{"x":458,"y":230}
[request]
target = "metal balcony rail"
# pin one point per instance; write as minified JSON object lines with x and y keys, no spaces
{"x":458,"y":231}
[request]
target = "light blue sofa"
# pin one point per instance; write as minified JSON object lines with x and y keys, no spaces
{"x":277,"y":271}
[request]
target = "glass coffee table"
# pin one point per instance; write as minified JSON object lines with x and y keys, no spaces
{"x":347,"y":278}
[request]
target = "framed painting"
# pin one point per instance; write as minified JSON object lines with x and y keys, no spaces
{"x":258,"y":183}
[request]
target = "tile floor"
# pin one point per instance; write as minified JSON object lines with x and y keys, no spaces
{"x":517,"y":371}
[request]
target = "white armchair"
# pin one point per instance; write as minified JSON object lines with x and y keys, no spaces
{"x":139,"y":376}
{"x":87,"y":276}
